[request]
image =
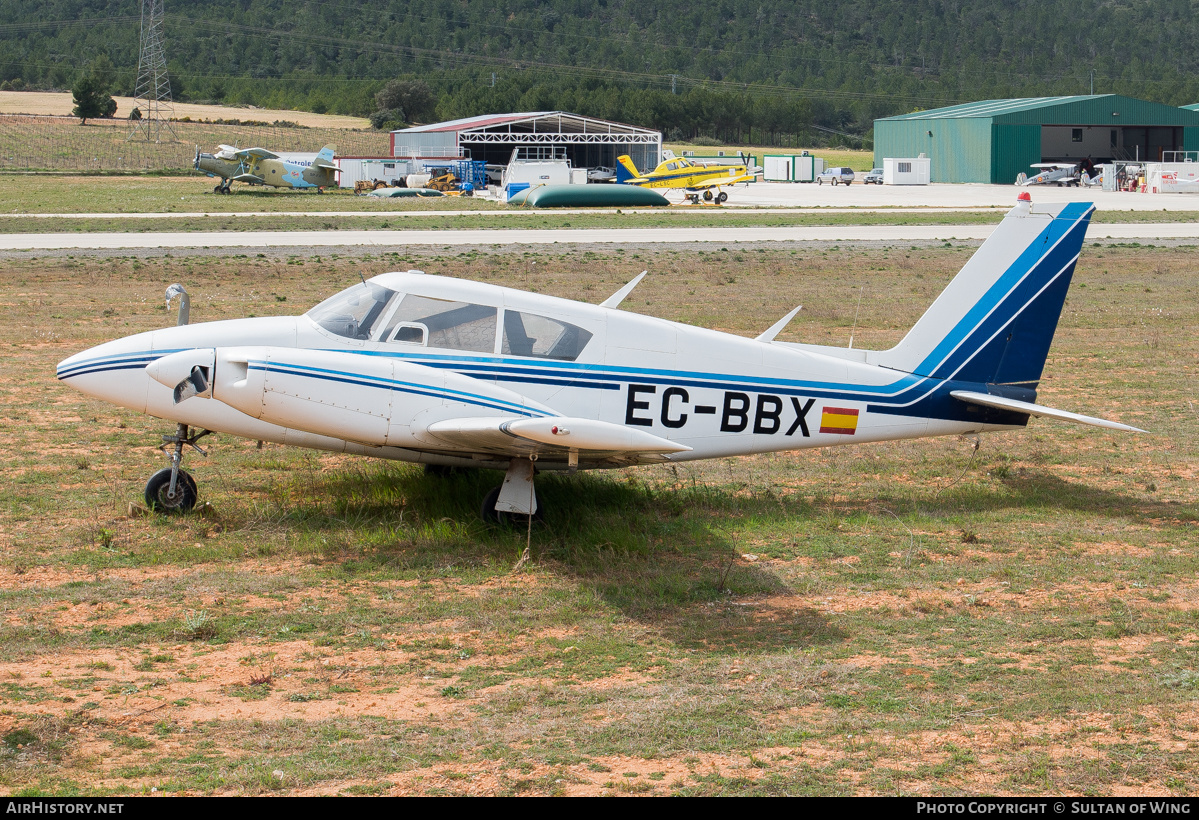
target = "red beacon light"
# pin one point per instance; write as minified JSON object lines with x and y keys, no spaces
{"x":1025,"y":196}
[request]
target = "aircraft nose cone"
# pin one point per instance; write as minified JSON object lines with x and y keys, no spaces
{"x":114,"y":372}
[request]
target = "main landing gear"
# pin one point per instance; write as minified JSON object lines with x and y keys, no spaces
{"x":171,"y":490}
{"x":225,"y":187}
{"x":718,"y":198}
{"x":514,"y":501}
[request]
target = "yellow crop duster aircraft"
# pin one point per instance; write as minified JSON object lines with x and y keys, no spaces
{"x":695,"y":179}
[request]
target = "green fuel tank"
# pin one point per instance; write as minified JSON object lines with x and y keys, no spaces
{"x":588,"y":196}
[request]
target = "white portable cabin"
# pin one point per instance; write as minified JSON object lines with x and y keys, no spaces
{"x":791,"y":168}
{"x":385,"y":169}
{"x":907,"y":171}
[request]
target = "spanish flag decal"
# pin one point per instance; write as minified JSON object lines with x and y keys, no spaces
{"x":841,"y":420}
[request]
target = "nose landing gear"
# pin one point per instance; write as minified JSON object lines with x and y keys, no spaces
{"x":171,"y":490}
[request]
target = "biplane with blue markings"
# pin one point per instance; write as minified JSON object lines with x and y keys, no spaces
{"x":258,"y":166}
{"x":453,"y":373}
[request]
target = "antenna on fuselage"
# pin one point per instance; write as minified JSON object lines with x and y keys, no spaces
{"x":778,"y":326}
{"x":856,"y":311}
{"x":615,"y":299}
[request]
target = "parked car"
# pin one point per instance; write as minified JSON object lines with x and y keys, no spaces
{"x":875,"y":177}
{"x":843,"y":176}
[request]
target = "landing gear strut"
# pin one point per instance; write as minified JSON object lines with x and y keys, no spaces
{"x":514,"y":501}
{"x":171,"y":490}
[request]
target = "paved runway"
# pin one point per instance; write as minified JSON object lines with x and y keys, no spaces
{"x":895,"y":234}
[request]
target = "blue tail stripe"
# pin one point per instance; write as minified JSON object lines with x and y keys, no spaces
{"x":1043,"y":259}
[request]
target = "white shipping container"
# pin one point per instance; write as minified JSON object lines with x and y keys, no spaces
{"x":791,"y":168}
{"x":538,"y":172}
{"x":778,"y":168}
{"x":808,"y":167}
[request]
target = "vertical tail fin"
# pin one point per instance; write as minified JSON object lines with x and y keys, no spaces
{"x":995,"y":321}
{"x":324,"y":159}
{"x":625,"y":169}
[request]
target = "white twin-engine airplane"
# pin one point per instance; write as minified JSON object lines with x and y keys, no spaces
{"x":452,"y":373}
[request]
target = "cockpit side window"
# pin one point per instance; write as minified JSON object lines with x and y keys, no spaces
{"x":353,"y":312}
{"x":445,"y":323}
{"x":527,"y":334}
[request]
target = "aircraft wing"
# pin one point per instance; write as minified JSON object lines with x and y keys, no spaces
{"x":555,"y":434}
{"x":717,"y":182}
{"x":257,"y":153}
{"x":987,"y":400}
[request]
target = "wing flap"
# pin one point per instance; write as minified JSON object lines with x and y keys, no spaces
{"x":1038,"y":410}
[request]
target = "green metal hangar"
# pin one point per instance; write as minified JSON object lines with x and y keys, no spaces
{"x":586,"y":141}
{"x":995,"y":140}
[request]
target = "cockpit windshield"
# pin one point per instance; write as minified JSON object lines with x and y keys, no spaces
{"x":353,"y":312}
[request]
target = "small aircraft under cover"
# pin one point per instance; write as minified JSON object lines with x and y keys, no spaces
{"x":692,"y":177}
{"x":1051,"y":173}
{"x":258,"y":166}
{"x":454,"y":373}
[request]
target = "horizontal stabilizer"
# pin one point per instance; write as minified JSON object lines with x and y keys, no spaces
{"x":1038,"y":410}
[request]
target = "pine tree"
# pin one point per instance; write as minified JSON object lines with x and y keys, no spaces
{"x":91,"y":91}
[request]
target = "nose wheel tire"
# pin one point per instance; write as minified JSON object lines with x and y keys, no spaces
{"x":160,"y":499}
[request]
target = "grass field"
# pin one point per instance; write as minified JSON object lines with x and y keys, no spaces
{"x":912,"y":618}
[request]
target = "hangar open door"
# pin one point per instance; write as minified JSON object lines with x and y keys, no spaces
{"x":1102,"y":143}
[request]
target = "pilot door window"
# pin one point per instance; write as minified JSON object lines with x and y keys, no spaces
{"x":527,"y":334}
{"x":442,"y":323}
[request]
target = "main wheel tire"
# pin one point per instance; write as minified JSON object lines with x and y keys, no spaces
{"x":158,"y":496}
{"x":722,"y":197}
{"x":707,"y":196}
